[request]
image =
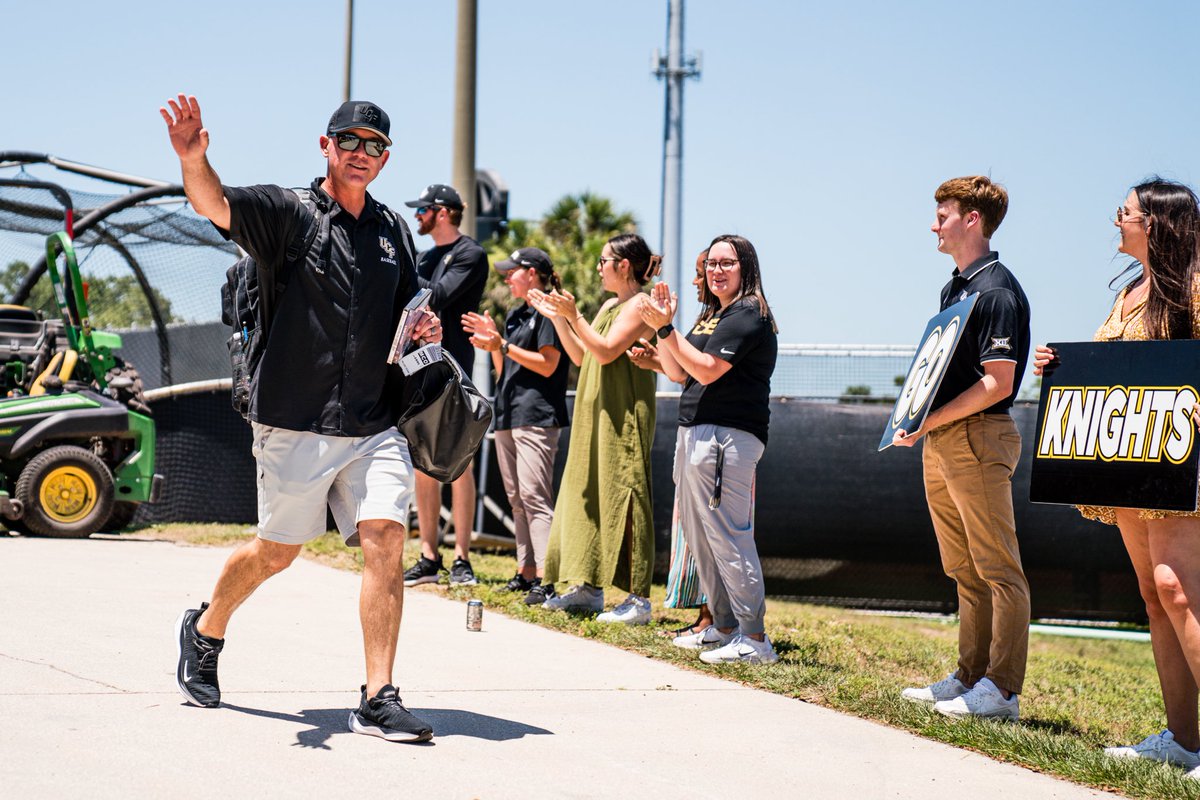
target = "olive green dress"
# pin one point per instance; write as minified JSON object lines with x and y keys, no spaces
{"x":607,"y":478}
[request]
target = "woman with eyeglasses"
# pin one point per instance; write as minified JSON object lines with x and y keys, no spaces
{"x":530,"y":411}
{"x":725,"y":364}
{"x":683,"y":584}
{"x":1160,"y":231}
{"x":603,"y":530}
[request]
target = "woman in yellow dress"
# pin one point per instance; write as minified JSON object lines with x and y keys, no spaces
{"x":1160,"y":230}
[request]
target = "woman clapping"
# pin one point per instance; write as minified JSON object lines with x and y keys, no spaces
{"x":603,"y":531}
{"x":726,"y":364}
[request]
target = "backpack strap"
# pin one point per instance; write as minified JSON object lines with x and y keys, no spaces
{"x":296,"y":252}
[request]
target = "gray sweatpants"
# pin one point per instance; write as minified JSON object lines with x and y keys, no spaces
{"x":722,"y":539}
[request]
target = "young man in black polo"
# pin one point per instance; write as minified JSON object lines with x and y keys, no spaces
{"x":455,"y":269}
{"x":971,"y":449}
{"x":323,"y":431}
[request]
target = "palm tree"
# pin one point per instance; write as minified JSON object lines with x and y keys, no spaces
{"x":573,"y":233}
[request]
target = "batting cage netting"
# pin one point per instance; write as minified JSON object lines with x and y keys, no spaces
{"x":153,"y":266}
{"x":153,"y":270}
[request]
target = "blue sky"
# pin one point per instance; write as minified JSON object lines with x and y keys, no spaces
{"x":818,"y":130}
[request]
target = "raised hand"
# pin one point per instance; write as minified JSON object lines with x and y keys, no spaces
{"x":482,"y":329}
{"x":475,"y":324}
{"x":658,"y":307}
{"x":188,"y":134}
{"x":554,"y":303}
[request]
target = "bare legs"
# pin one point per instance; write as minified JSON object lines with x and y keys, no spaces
{"x":381,"y":600}
{"x":429,"y":507}
{"x":246,"y":569}
{"x":1166,"y":558}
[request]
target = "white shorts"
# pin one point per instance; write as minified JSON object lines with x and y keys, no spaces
{"x":299,"y":473}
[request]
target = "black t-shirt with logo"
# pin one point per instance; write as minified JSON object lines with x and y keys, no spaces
{"x":741,"y":398}
{"x":524,"y":397}
{"x":997,"y":330}
{"x":456,"y":273}
{"x":325,"y":365}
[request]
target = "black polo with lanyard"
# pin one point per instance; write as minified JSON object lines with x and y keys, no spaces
{"x":997,"y":330}
{"x":324,"y":369}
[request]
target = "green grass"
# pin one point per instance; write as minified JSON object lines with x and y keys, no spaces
{"x":1080,"y":694}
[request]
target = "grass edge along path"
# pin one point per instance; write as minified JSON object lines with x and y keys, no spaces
{"x":1080,"y":694}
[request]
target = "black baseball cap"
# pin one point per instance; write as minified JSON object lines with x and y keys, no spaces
{"x":360,"y":114}
{"x":527,"y":257}
{"x":437,"y":194}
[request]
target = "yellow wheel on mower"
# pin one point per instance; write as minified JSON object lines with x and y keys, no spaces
{"x":66,"y":492}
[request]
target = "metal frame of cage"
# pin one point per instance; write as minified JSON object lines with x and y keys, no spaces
{"x":147,"y":190}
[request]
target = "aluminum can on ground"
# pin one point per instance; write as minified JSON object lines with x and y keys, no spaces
{"x":474,"y":615}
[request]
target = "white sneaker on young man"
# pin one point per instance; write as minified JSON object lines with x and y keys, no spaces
{"x":985,"y":700}
{"x":1158,"y":747}
{"x":742,"y":649}
{"x":633,"y":610}
{"x":706,"y":639}
{"x":577,"y":598}
{"x":948,"y":688}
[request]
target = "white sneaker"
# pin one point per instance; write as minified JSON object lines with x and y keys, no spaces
{"x":577,"y":598}
{"x":743,"y":649}
{"x":985,"y":700}
{"x":633,"y":610}
{"x":1158,"y":747}
{"x":948,"y":688}
{"x":706,"y":639}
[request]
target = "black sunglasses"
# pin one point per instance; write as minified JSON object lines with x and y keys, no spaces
{"x":349,"y":142}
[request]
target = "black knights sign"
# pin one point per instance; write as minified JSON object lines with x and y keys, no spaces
{"x":1115,"y":426}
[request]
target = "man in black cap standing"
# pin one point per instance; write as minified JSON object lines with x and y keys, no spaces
{"x":323,"y":430}
{"x":455,"y":269}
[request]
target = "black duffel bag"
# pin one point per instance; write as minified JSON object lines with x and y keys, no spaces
{"x":443,"y":417}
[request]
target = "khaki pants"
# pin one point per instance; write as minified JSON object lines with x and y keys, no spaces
{"x":968,"y":483}
{"x":526,"y":458}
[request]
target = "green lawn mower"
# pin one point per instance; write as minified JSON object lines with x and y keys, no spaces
{"x":76,"y":436}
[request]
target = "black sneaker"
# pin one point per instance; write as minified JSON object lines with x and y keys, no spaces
{"x":424,"y":571}
{"x":539,"y":593}
{"x":518,"y":584}
{"x":385,"y":716}
{"x":461,"y":573}
{"x":197,"y":670}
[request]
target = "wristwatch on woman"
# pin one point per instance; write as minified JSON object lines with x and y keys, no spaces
{"x":503,"y":348}
{"x":665,"y":330}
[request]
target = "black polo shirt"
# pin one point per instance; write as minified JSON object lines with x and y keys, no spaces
{"x":997,"y":330}
{"x":456,"y":273}
{"x":741,"y":398}
{"x":325,"y":363}
{"x":524,"y":397}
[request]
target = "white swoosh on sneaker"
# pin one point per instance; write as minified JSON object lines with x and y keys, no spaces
{"x":186,"y":678}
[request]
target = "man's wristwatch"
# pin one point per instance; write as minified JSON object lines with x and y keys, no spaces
{"x":503,"y":347}
{"x":665,"y":330}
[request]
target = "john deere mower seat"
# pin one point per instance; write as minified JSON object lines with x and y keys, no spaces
{"x":27,"y":345}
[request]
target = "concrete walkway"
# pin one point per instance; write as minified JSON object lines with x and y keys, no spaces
{"x":89,"y":707}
